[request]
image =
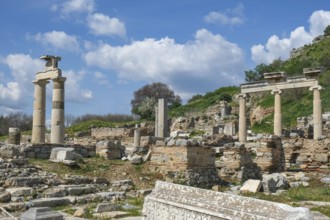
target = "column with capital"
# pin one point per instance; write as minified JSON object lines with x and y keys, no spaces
{"x":277,"y":113}
{"x":317,"y":111}
{"x":242,"y":118}
{"x":57,"y":121}
{"x":39,"y":111}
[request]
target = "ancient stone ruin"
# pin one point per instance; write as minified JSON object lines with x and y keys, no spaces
{"x":51,"y":72}
{"x":276,"y":82}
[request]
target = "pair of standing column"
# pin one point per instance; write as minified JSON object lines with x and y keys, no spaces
{"x":39,"y":112}
{"x":317,"y":114}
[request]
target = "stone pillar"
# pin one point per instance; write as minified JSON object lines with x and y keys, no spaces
{"x":14,"y":136}
{"x":242,"y":118}
{"x":57,"y":121}
{"x":137,"y":136}
{"x":317,"y":112}
{"x":162,"y":129}
{"x":156,"y":121}
{"x":277,"y":113}
{"x":39,"y":111}
{"x":224,"y":109}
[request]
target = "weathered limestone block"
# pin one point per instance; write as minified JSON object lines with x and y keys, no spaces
{"x":106,"y":207}
{"x":172,"y":201}
{"x":42,"y":213}
{"x":24,"y":181}
{"x":273,"y":182}
{"x":322,"y":157}
{"x":4,"y":196}
{"x":110,"y":149}
{"x":49,"y":202}
{"x":21,"y":191}
{"x":251,"y":186}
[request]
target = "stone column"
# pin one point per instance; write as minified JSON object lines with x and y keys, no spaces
{"x":14,"y":136}
{"x":137,"y":136}
{"x":57,"y":121}
{"x":156,"y":121}
{"x":277,"y":113}
{"x":162,"y":119}
{"x":39,"y":112}
{"x":242,"y":118}
{"x":224,"y":109}
{"x":317,"y":112}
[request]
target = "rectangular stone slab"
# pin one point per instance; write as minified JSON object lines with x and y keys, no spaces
{"x":173,"y":201}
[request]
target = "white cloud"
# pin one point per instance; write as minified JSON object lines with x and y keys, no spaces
{"x":73,"y":90}
{"x":229,"y":17}
{"x":280,"y":48}
{"x":206,"y":63}
{"x":75,"y":6}
{"x":101,"y":24}
{"x":101,"y":78}
{"x":58,"y":40}
{"x":15,"y":93}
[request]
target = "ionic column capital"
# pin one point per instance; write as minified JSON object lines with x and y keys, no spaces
{"x":242,"y":95}
{"x":318,"y":87}
{"x":276,"y":91}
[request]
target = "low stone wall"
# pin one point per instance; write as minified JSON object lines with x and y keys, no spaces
{"x":172,"y":201}
{"x":100,"y":133}
{"x":306,"y":153}
{"x":194,"y":166}
{"x":42,"y":151}
{"x":274,"y":155}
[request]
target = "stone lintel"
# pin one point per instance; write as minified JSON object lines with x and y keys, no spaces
{"x":290,"y":83}
{"x":313,"y":72}
{"x":274,"y":76}
{"x":49,"y":74}
{"x":168,"y":200}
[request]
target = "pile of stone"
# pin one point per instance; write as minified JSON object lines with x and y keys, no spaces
{"x":24,"y":186}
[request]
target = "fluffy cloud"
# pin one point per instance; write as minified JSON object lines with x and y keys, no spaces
{"x":75,"y":6}
{"x":280,"y":48}
{"x":58,"y":40}
{"x":229,"y":17}
{"x":15,"y":92}
{"x":101,"y":78}
{"x":206,"y":63}
{"x":73,"y":90}
{"x":101,"y":24}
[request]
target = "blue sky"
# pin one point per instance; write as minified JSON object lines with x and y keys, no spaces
{"x":111,"y":48}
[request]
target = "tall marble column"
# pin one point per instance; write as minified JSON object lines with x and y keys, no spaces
{"x":162,"y":119}
{"x":156,"y":120}
{"x":39,"y":111}
{"x":277,"y":113}
{"x":57,"y":121}
{"x":317,"y":111}
{"x":242,"y":118}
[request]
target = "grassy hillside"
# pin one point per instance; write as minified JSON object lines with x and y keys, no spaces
{"x":204,"y":101}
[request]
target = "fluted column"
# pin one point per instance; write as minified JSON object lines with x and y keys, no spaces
{"x":39,"y":112}
{"x":242,"y":118}
{"x":317,"y":111}
{"x":277,"y":113}
{"x":156,"y":120}
{"x":57,"y":121}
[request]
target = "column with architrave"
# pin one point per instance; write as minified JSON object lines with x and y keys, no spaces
{"x":242,"y":118}
{"x":57,"y":122}
{"x":39,"y":111}
{"x":317,"y":112}
{"x":277,"y":113}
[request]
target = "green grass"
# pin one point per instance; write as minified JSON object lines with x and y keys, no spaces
{"x":201,"y":104}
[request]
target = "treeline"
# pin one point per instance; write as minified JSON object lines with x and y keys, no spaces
{"x":107,"y":118}
{"x":18,"y":120}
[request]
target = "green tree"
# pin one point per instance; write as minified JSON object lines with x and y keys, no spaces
{"x":327,"y":31}
{"x":144,"y":100}
{"x":257,"y":73}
